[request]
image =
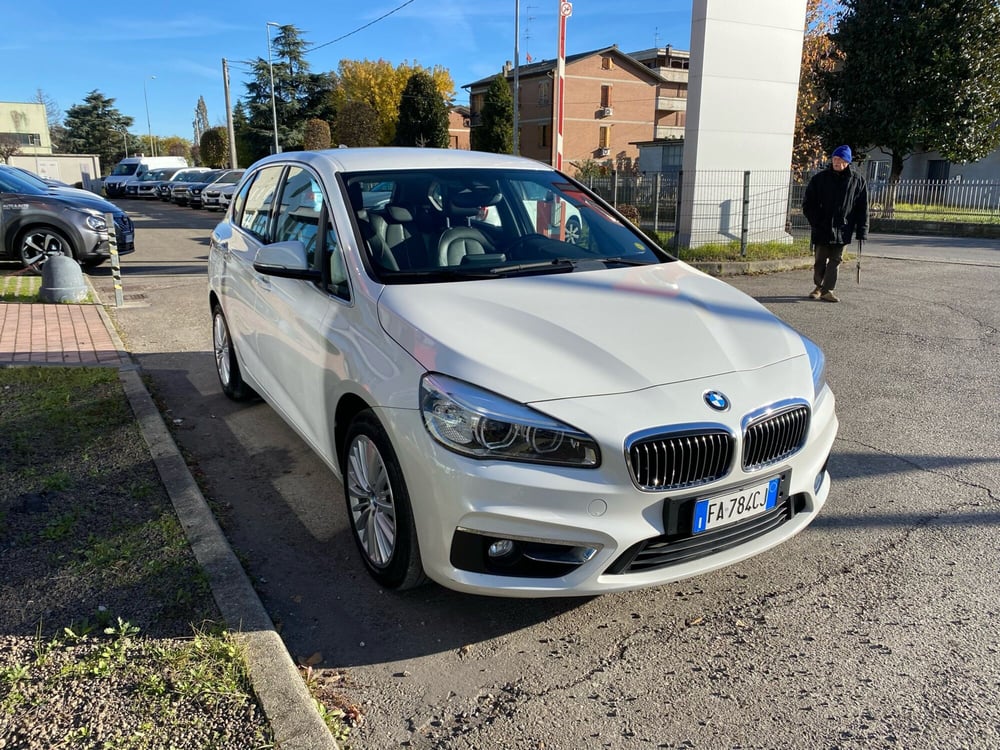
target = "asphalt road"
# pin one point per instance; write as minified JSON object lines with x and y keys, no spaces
{"x":876,"y":627}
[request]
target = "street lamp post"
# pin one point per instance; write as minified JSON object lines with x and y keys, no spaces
{"x":270,"y":67}
{"x":149,"y":126}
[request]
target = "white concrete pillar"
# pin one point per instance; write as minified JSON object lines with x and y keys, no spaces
{"x":742,"y":93}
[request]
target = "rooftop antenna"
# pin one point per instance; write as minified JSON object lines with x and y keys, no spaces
{"x":656,"y":37}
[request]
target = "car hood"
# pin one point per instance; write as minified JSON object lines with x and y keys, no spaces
{"x":89,"y":201}
{"x":585,"y":333}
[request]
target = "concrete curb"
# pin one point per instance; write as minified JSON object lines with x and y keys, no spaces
{"x":290,"y":709}
{"x":750,"y":267}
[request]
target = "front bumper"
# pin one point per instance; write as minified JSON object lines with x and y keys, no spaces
{"x":588,"y":525}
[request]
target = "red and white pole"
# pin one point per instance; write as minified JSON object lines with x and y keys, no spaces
{"x":565,"y":11}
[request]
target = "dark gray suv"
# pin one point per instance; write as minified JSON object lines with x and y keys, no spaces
{"x":36,"y":223}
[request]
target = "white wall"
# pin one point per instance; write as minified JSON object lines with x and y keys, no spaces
{"x":742,"y":93}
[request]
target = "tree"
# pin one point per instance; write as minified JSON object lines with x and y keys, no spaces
{"x":214,"y":151}
{"x":174,"y":145}
{"x":8,"y":147}
{"x":200,"y":123}
{"x":298,"y":96}
{"x":917,"y":75}
{"x":819,"y":57}
{"x":423,"y":114}
{"x":53,"y":118}
{"x":357,"y":125}
{"x":97,"y":127}
{"x":316,"y":135}
{"x":495,"y":131}
{"x":380,"y":85}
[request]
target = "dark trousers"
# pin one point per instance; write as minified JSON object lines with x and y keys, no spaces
{"x":828,"y":259}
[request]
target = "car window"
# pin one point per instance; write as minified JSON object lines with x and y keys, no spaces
{"x":298,"y":214}
{"x":258,"y":202}
{"x":10,"y":183}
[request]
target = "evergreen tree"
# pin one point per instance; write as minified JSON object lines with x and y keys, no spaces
{"x":316,"y":135}
{"x":200,"y":120}
{"x":495,"y":132}
{"x":423,"y":114}
{"x":917,"y":74}
{"x":214,"y":149}
{"x":357,"y":125}
{"x":97,"y":127}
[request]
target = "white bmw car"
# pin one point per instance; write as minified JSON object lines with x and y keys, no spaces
{"x":512,"y":413}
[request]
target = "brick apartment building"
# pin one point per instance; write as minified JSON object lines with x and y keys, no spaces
{"x":613,"y":101}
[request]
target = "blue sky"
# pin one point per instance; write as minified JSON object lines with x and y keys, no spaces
{"x":67,"y":48}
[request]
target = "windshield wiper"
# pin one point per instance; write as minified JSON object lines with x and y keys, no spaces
{"x":436,"y":274}
{"x":556,"y":264}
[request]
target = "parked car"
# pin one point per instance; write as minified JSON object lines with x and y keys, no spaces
{"x":149,"y":184}
{"x":195,"y":189}
{"x":52,"y":186}
{"x":226,"y":195}
{"x":36,"y":223}
{"x":132,"y":168}
{"x":180,"y":192}
{"x":180,"y":177}
{"x":211,"y":195}
{"x":513,"y":414}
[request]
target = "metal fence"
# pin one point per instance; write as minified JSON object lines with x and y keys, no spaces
{"x":763,"y":205}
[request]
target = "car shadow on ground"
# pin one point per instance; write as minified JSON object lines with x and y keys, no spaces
{"x":294,"y":541}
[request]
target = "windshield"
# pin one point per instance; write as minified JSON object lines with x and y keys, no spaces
{"x":31,"y":179}
{"x":457,"y":224}
{"x":125,"y":169}
{"x":230,"y":177}
{"x":15,"y":183}
{"x":192,"y":177}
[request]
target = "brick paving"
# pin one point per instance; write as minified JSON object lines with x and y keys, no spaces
{"x":55,"y":334}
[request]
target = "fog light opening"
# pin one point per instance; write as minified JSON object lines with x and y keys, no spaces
{"x":501,"y":548}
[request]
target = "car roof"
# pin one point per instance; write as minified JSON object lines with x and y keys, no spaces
{"x":388,"y":157}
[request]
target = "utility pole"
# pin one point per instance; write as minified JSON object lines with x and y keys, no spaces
{"x":229,"y":116}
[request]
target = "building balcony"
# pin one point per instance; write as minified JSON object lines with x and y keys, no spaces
{"x":674,"y":75}
{"x":671,"y":104}
{"x":668,"y":131}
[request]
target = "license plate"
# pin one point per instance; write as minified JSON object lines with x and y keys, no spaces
{"x":713,"y":512}
{"x":128,"y":238}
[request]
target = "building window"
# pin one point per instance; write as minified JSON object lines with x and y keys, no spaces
{"x":607,"y":63}
{"x":938,"y":169}
{"x":605,"y":96}
{"x":23,"y":139}
{"x":545,"y":92}
{"x":543,"y":136}
{"x":605,"y":136}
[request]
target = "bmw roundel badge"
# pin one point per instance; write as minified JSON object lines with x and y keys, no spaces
{"x":716,"y":400}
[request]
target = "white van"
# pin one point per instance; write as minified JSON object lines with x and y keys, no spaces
{"x":132,"y":168}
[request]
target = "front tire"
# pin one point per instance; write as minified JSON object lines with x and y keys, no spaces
{"x":378,"y":506}
{"x":227,"y":367}
{"x":36,"y":244}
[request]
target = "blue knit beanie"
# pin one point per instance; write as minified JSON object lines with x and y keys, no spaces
{"x":844,"y":152}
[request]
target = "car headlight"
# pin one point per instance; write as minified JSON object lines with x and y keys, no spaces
{"x":817,"y":361}
{"x":96,"y":222}
{"x":481,"y":424}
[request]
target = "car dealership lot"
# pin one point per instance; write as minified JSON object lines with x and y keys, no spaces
{"x":874,"y":627}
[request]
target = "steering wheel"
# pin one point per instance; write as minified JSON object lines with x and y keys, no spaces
{"x":515,"y":249}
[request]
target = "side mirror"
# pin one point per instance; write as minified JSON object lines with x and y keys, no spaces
{"x":286,"y":260}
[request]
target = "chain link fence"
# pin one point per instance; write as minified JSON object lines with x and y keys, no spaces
{"x":766,"y":205}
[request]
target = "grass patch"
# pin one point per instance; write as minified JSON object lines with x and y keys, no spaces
{"x":97,"y":566}
{"x":928,"y":212}
{"x":19,"y":287}
{"x":730,"y":251}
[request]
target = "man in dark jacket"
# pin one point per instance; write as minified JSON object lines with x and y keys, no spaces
{"x":836,"y":205}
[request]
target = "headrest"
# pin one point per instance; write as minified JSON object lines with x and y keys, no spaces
{"x":398,"y":214}
{"x":475,"y":197}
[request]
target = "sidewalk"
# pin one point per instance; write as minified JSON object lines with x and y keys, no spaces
{"x":42,"y":334}
{"x":83,"y":335}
